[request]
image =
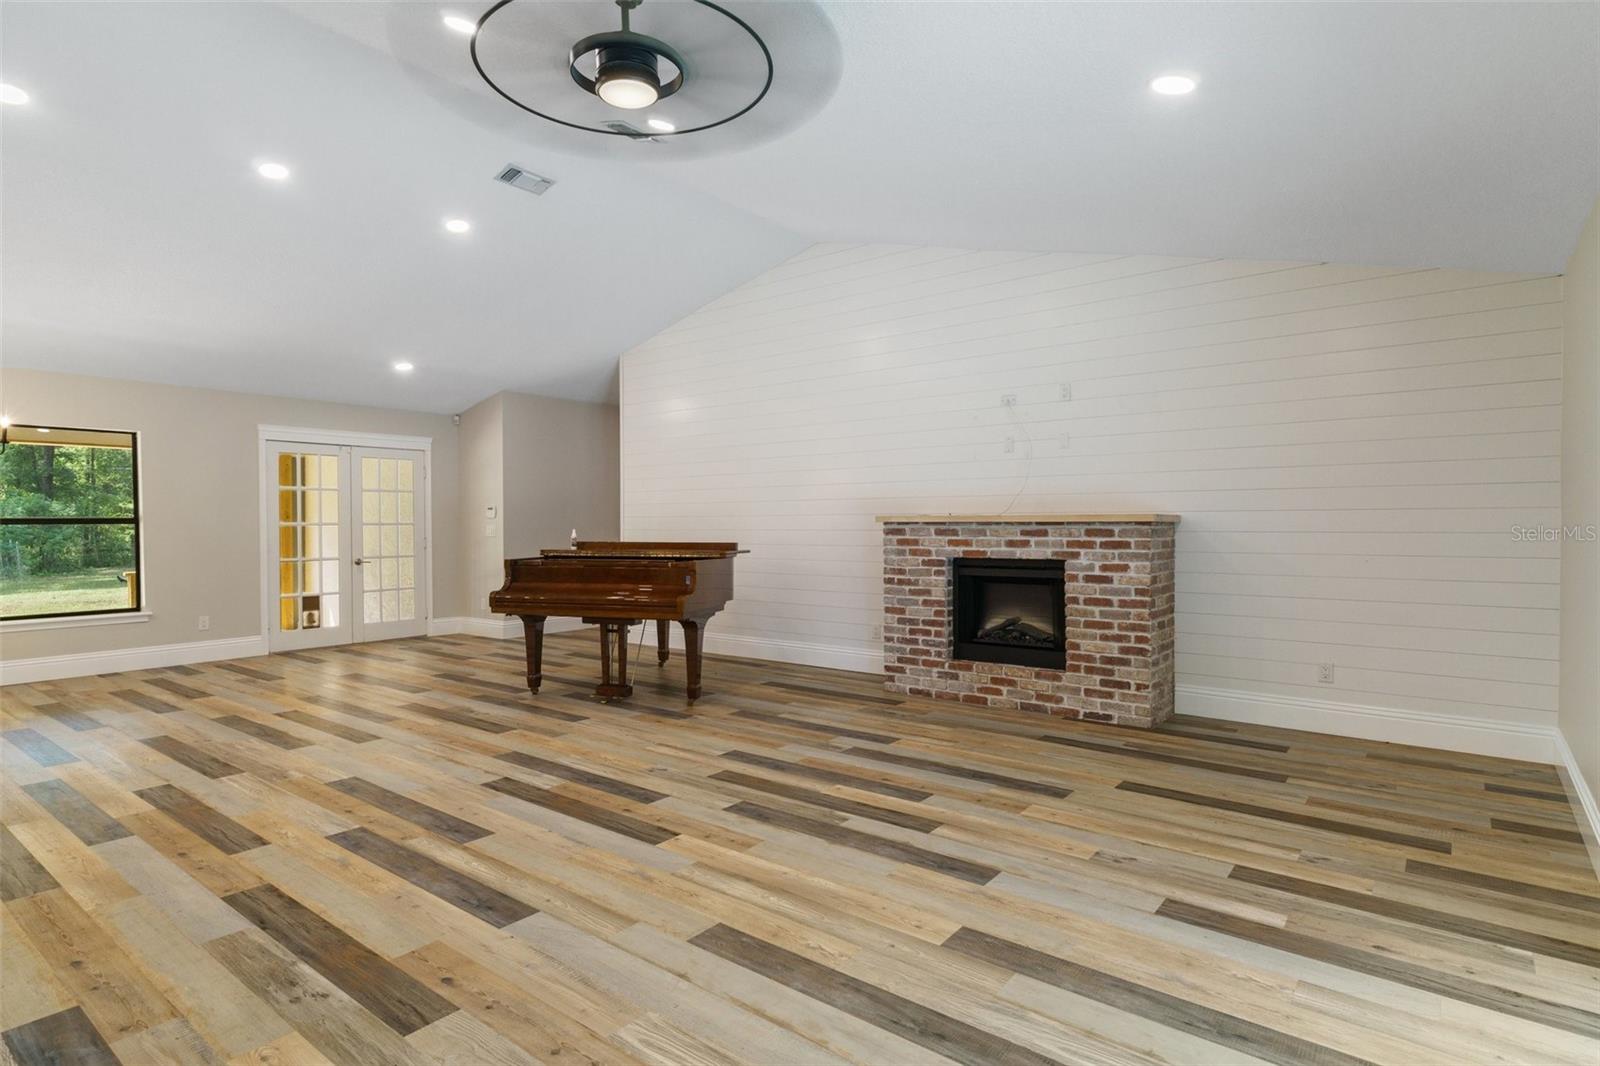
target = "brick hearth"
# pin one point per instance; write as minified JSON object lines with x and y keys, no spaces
{"x":1119,"y":601}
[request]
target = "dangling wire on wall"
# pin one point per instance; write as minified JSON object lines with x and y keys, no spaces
{"x":1027,"y":451}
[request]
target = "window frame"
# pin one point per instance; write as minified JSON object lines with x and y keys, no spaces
{"x":138,"y":611}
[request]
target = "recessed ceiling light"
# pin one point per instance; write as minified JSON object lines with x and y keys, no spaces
{"x":1173,"y":85}
{"x":273,"y":171}
{"x":10,"y":94}
{"x":404,"y":367}
{"x":661,"y":125}
{"x":459,"y":24}
{"x":457,"y":225}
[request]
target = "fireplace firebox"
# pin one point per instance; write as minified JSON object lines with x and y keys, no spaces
{"x":1010,"y":611}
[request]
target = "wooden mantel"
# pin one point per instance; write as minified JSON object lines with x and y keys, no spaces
{"x":991,"y":519}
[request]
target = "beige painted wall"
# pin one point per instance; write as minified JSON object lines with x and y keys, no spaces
{"x":547,"y":466}
{"x":482,"y":487}
{"x":201,"y":499}
{"x":1580,"y":505}
{"x":562,"y":472}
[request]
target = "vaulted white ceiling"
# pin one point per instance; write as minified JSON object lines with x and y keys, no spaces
{"x":136,"y":239}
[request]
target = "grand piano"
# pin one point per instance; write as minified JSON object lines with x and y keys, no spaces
{"x":616,"y":584}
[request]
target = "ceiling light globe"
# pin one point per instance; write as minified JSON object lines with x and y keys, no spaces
{"x":1173,"y":85}
{"x":404,"y":367}
{"x":273,"y":171}
{"x":460,"y":25}
{"x":457,"y":225}
{"x":10,"y":94}
{"x":627,"y":91}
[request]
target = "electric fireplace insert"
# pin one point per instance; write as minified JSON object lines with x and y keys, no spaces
{"x":1011,"y":611}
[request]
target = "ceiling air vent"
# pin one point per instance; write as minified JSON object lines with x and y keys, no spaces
{"x":526,"y":180}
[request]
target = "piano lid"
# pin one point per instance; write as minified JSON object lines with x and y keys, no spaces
{"x":646,"y":549}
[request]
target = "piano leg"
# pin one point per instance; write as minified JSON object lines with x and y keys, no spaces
{"x":613,"y":650}
{"x":693,"y":629}
{"x":533,"y":636}
{"x":663,"y":634}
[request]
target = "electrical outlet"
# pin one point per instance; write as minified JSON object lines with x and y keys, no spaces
{"x":1324,"y":673}
{"x":1066,"y":390}
{"x":204,"y":622}
{"x":1008,"y":399}
{"x":1011,"y":445}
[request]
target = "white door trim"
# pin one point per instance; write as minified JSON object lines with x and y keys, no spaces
{"x":266,"y":559}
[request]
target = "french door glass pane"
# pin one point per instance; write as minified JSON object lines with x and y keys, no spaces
{"x":308,"y":541}
{"x":388,"y":539}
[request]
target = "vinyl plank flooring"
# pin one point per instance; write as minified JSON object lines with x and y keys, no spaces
{"x":21,"y":875}
{"x":550,"y":767}
{"x":67,"y":1038}
{"x":1160,"y":1007}
{"x":192,"y":757}
{"x":38,"y":747}
{"x":968,"y":773}
{"x":927,"y":859}
{"x":327,"y":725}
{"x":210,"y":867}
{"x":1505,"y":886}
{"x":431,"y":818}
{"x":1165,"y":757}
{"x":831,"y":802}
{"x":906,"y":1018}
{"x":1424,"y":916}
{"x":145,"y":700}
{"x":832,"y":777}
{"x":252,"y":728}
{"x":74,"y":810}
{"x":614,"y":821}
{"x":1451,"y":986}
{"x":210,"y":825}
{"x":1310,"y":821}
{"x":394,"y":996}
{"x":434,"y":877}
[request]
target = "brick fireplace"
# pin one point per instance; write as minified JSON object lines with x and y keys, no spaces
{"x":943,"y":630}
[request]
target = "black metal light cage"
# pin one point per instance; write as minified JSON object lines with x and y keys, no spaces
{"x":70,"y":520}
{"x":626,"y":39}
{"x":967,"y":578}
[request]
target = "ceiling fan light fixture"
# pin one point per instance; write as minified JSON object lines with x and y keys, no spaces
{"x":627,"y":76}
{"x":631,"y":71}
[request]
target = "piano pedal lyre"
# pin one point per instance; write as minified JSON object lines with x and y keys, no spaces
{"x":613,"y":658}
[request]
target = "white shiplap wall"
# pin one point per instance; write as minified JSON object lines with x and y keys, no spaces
{"x":1349,"y":448}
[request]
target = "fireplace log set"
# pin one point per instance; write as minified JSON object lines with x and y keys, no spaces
{"x":1014,"y":630}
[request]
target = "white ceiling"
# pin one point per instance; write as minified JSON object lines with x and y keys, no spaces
{"x":137,"y":241}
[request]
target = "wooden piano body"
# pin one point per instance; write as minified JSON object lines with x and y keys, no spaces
{"x":617,"y":584}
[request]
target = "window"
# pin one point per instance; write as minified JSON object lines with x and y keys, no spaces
{"x":69,"y":522}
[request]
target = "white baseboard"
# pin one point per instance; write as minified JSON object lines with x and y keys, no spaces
{"x":496,"y":628}
{"x":1585,"y":810}
{"x":1426,"y":729}
{"x":830,"y":656}
{"x":56,"y":667}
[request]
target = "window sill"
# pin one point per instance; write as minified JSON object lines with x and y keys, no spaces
{"x":23,"y":625}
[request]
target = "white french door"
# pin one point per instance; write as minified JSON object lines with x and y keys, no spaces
{"x":387,"y":537}
{"x":348,"y":561}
